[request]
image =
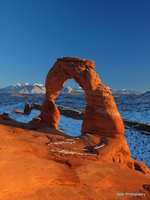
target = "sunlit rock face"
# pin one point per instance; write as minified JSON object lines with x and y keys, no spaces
{"x":101,"y":114}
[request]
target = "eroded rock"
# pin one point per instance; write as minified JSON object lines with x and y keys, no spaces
{"x":36,"y":165}
{"x":101,"y":114}
{"x":27,"y":109}
{"x":102,"y":121}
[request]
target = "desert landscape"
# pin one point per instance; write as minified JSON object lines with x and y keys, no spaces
{"x":40,"y":165}
{"x":80,"y":153}
{"x":74,"y":99}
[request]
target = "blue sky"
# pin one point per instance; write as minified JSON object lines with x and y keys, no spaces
{"x":113,"y":33}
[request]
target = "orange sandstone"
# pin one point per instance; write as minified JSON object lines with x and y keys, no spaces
{"x":36,"y":165}
{"x":101,"y":119}
{"x":101,"y":114}
{"x":40,"y":162}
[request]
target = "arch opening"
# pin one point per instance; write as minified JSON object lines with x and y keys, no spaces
{"x":71,"y":105}
{"x":101,"y":114}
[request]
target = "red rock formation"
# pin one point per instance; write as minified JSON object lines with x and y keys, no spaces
{"x":101,"y":114}
{"x":35,"y":165}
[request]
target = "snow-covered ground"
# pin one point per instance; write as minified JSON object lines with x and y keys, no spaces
{"x":70,"y":126}
{"x":131,"y":107}
{"x":139,"y":145}
{"x":136,"y":107}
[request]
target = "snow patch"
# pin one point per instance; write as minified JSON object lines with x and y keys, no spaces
{"x":17,"y":84}
{"x":38,"y":84}
{"x":25,"y":84}
{"x":62,"y":142}
{"x":64,"y":152}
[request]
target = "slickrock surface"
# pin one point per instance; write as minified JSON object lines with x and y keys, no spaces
{"x":101,"y":114}
{"x":37,"y":165}
{"x":38,"y":161}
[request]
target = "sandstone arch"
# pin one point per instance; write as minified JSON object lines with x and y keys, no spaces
{"x":101,"y":114}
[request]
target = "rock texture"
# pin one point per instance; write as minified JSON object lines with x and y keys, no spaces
{"x":40,"y":162}
{"x":36,"y":165}
{"x":101,"y":114}
{"x":27,"y":109}
{"x":102,"y":121}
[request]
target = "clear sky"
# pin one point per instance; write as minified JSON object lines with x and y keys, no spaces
{"x":113,"y":33}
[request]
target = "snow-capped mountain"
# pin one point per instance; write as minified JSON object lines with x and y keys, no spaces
{"x":38,"y":88}
{"x":66,"y":90}
{"x":72,"y":91}
{"x":123,"y":92}
{"x":127,"y":92}
{"x":24,"y":88}
{"x":77,"y":91}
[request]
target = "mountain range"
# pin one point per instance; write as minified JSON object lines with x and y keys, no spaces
{"x":25,"y":88}
{"x":38,"y":88}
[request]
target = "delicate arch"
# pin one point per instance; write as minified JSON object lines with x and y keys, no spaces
{"x":101,"y":114}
